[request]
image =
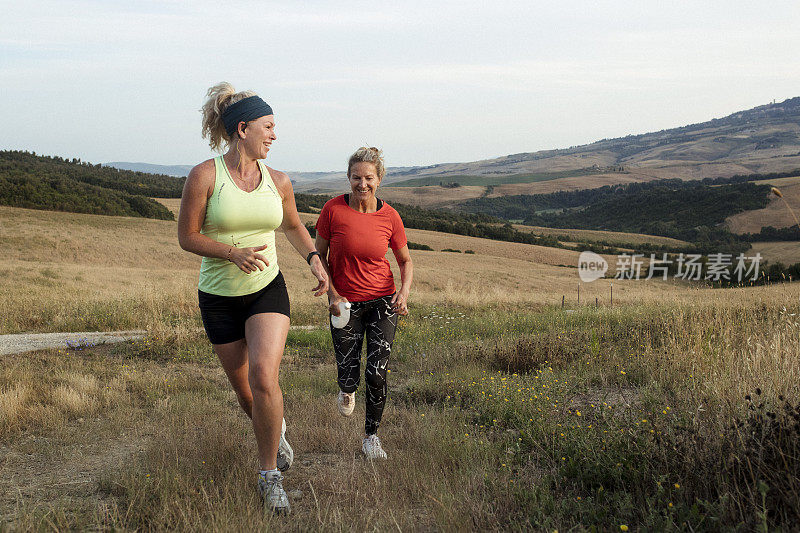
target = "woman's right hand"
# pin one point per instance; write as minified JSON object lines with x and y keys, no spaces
{"x":333,"y":304}
{"x":248,"y":259}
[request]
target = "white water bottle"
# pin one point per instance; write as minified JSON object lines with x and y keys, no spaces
{"x":344,"y":316}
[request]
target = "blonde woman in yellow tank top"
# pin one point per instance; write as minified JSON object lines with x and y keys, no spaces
{"x":230,"y":209}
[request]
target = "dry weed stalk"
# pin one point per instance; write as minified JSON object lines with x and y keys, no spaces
{"x":779,"y":194}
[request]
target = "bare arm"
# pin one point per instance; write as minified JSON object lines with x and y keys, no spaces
{"x":296,"y":232}
{"x":196,"y":191}
{"x":334,"y":298}
{"x":400,"y":305}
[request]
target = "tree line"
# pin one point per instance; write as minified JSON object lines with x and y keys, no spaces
{"x":692,"y":211}
{"x":771,"y":233}
{"x":489,"y":227}
{"x":53,"y":183}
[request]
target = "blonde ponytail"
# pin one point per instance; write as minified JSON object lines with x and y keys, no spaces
{"x":218,"y":98}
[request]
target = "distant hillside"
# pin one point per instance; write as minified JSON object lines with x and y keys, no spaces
{"x":483,"y":225}
{"x":183,"y":170}
{"x":761,"y":140}
{"x":180,"y":171}
{"x":764,"y":135}
{"x":462,"y":180}
{"x":52,"y":183}
{"x":692,"y":211}
{"x":776,"y":218}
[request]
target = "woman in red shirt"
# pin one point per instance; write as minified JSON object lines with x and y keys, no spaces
{"x":354,"y":232}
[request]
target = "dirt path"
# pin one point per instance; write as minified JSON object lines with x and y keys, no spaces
{"x":26,"y":342}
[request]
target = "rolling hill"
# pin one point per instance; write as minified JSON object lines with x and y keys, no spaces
{"x":179,"y":171}
{"x":760,"y":140}
{"x":763,"y":139}
{"x":53,"y":183}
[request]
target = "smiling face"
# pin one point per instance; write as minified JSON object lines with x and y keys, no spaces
{"x":364,"y":181}
{"x":257,"y":137}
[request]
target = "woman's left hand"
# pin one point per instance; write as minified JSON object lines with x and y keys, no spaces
{"x":319,"y":272}
{"x":399,"y":305}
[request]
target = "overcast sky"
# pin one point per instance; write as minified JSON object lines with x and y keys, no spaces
{"x":429,"y":82}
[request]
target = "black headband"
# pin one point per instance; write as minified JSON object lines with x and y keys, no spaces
{"x":250,"y":108}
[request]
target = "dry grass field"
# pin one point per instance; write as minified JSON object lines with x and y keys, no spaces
{"x":443,"y":197}
{"x":173,"y":204}
{"x":780,"y":182}
{"x":775,"y":214}
{"x":585,"y":235}
{"x":786,"y":252}
{"x":85,"y":272}
{"x":505,"y":411}
{"x":432,"y":196}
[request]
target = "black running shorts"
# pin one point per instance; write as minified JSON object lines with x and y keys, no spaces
{"x":224,"y":316}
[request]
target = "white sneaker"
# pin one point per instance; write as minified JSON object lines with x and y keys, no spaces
{"x":371,"y":446}
{"x":285,"y":452}
{"x":346,"y":402}
{"x":270,"y":488}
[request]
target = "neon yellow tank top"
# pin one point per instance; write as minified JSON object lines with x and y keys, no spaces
{"x":241,"y":219}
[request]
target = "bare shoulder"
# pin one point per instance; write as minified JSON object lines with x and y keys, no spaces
{"x":204,"y":171}
{"x":202,"y":177}
{"x":279,"y":178}
{"x":281,"y":181}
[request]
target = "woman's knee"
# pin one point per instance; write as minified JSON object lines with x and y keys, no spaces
{"x":263,"y":379}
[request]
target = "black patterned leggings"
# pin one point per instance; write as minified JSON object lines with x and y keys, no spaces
{"x":374,"y":319}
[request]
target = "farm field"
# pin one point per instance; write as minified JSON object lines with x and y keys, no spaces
{"x":434,"y":196}
{"x":775,"y":214}
{"x":780,"y":182}
{"x":505,"y":411}
{"x":573,"y":183}
{"x":786,"y":252}
{"x":431,"y":196}
{"x":586,"y":235}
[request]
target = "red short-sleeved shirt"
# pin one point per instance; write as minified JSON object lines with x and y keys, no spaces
{"x":358,"y":243}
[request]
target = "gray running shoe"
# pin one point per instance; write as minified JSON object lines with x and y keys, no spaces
{"x":270,"y":488}
{"x":285,"y":452}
